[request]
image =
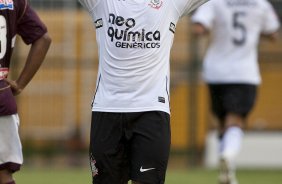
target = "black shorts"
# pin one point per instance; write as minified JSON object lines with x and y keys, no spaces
{"x":129,"y":146}
{"x":232,"y":98}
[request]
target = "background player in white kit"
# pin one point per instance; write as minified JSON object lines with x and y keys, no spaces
{"x":231,"y":68}
{"x":130,"y":129}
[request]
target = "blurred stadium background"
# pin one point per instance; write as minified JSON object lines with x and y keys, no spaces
{"x":55,"y":108}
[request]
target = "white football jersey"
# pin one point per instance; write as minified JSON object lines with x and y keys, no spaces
{"x":235,"y":26}
{"x":134,"y":39}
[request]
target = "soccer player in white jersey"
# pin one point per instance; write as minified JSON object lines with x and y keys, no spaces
{"x":130,"y":128}
{"x":230,"y":66}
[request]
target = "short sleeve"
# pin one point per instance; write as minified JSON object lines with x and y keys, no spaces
{"x":88,"y":4}
{"x":184,"y":7}
{"x":271,"y":22}
{"x":29,"y":26}
{"x":204,"y":15}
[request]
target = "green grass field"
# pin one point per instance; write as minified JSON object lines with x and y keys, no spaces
{"x":191,"y":176}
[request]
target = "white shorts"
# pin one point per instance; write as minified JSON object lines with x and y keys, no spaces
{"x":11,"y":156}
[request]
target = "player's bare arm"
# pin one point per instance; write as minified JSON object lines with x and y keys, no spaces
{"x":272,"y":37}
{"x":199,"y":29}
{"x":34,"y":60}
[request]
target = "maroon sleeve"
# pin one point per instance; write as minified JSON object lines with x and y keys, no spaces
{"x":29,"y":26}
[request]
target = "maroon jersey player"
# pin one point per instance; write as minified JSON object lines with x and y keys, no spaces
{"x":16,"y":18}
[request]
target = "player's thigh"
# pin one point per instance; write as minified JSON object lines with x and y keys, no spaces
{"x":240,"y":98}
{"x":216,"y":92}
{"x":150,"y":147}
{"x":11,"y":156}
{"x":108,"y":154}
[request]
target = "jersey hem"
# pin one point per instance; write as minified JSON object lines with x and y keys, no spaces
{"x":130,"y":109}
{"x":233,"y":82}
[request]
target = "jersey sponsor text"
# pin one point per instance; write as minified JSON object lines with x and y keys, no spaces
{"x":127,"y":38}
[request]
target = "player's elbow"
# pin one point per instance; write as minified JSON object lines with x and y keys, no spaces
{"x":43,"y":43}
{"x":272,"y":37}
{"x":46,"y":39}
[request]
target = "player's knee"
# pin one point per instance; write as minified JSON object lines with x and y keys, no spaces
{"x":233,"y":124}
{"x":6,"y":177}
{"x":233,"y":119}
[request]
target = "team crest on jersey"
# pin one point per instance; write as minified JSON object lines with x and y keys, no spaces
{"x":156,"y":4}
{"x":6,"y":4}
{"x":94,"y":169}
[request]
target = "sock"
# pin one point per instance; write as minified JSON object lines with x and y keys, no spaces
{"x":230,"y":144}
